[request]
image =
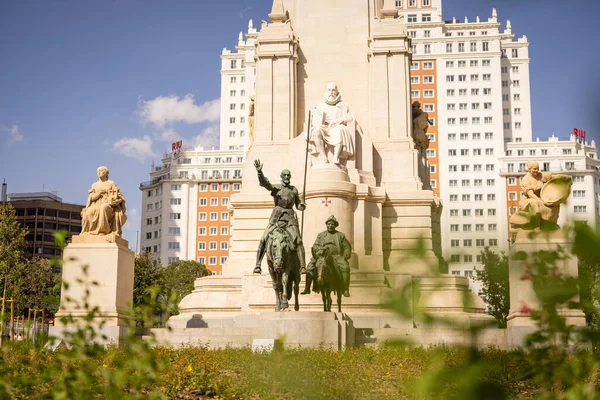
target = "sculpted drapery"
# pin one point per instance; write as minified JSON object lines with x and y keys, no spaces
{"x":104,"y":212}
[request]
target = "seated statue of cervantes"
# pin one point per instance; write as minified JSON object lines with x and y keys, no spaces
{"x":332,"y":125}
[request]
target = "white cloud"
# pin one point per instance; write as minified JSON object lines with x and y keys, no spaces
{"x":167,"y":135}
{"x":138,"y":148}
{"x":162,"y":111}
{"x":13,"y":131}
{"x":209,"y":137}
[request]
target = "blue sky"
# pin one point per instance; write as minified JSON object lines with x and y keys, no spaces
{"x":86,"y":83}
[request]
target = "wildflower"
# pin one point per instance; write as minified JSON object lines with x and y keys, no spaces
{"x":525,"y":309}
{"x":189,"y":368}
{"x":527,"y":276}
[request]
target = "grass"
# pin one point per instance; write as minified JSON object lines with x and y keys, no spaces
{"x":196,"y":373}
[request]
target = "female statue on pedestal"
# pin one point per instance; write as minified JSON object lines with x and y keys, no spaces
{"x":543,"y":193}
{"x":104,"y":212}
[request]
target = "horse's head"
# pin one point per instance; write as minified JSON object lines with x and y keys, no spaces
{"x":322,"y":270}
{"x":279,"y":248}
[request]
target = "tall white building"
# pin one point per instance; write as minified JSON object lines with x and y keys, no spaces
{"x":238,"y":71}
{"x":185,"y":206}
{"x":472,"y":77}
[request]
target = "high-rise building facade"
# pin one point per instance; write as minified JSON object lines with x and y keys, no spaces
{"x":472,"y":77}
{"x":185,"y":206}
{"x":238,"y":71}
{"x":43,"y":214}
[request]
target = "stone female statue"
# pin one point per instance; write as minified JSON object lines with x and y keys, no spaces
{"x":542,"y":195}
{"x":104,"y":212}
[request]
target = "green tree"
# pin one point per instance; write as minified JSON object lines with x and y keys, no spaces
{"x":147,"y":274}
{"x":32,"y":287}
{"x":12,"y":244}
{"x":179,"y":276}
{"x":494,"y":284}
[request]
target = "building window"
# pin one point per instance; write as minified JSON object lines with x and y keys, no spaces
{"x":202,"y":216}
{"x":213,"y":231}
{"x":212,"y":261}
{"x":580,"y":209}
{"x":224,"y":245}
{"x":202,"y":231}
{"x":398,"y":3}
{"x":214,"y":216}
{"x":427,"y":65}
{"x":426,"y":18}
{"x":411,"y":18}
{"x":173,"y":245}
{"x":428,"y":79}
{"x":579,"y":193}
{"x":224,"y":216}
{"x":428,"y":93}
{"x":174,"y":215}
{"x":485,"y":47}
{"x":175,"y":202}
{"x":515,"y":53}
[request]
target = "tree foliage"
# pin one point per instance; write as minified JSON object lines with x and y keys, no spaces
{"x":179,"y":276}
{"x":495,"y":284}
{"x":12,"y":244}
{"x":147,"y":274}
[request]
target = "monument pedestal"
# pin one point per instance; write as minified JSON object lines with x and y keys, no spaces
{"x":295,"y":329}
{"x":98,"y":271}
{"x":522,"y":295}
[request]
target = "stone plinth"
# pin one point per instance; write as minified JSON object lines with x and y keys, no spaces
{"x":521,"y":291}
{"x":519,"y":323}
{"x":110,"y":265}
{"x":293,"y":329}
{"x":449,"y":297}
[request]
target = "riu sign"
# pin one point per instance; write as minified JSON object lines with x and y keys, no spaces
{"x":177,"y":145}
{"x":579,"y":134}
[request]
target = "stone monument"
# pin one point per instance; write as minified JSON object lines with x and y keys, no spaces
{"x":109,"y":262}
{"x":363,"y":167}
{"x":537,"y":231}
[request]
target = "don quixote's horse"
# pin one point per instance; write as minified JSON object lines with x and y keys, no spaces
{"x":284,"y":268}
{"x":328,"y":280}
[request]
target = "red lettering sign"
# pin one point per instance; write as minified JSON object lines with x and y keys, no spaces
{"x":579,"y":133}
{"x":177,"y":145}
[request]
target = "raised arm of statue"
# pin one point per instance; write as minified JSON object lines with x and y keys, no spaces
{"x":262,"y":179}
